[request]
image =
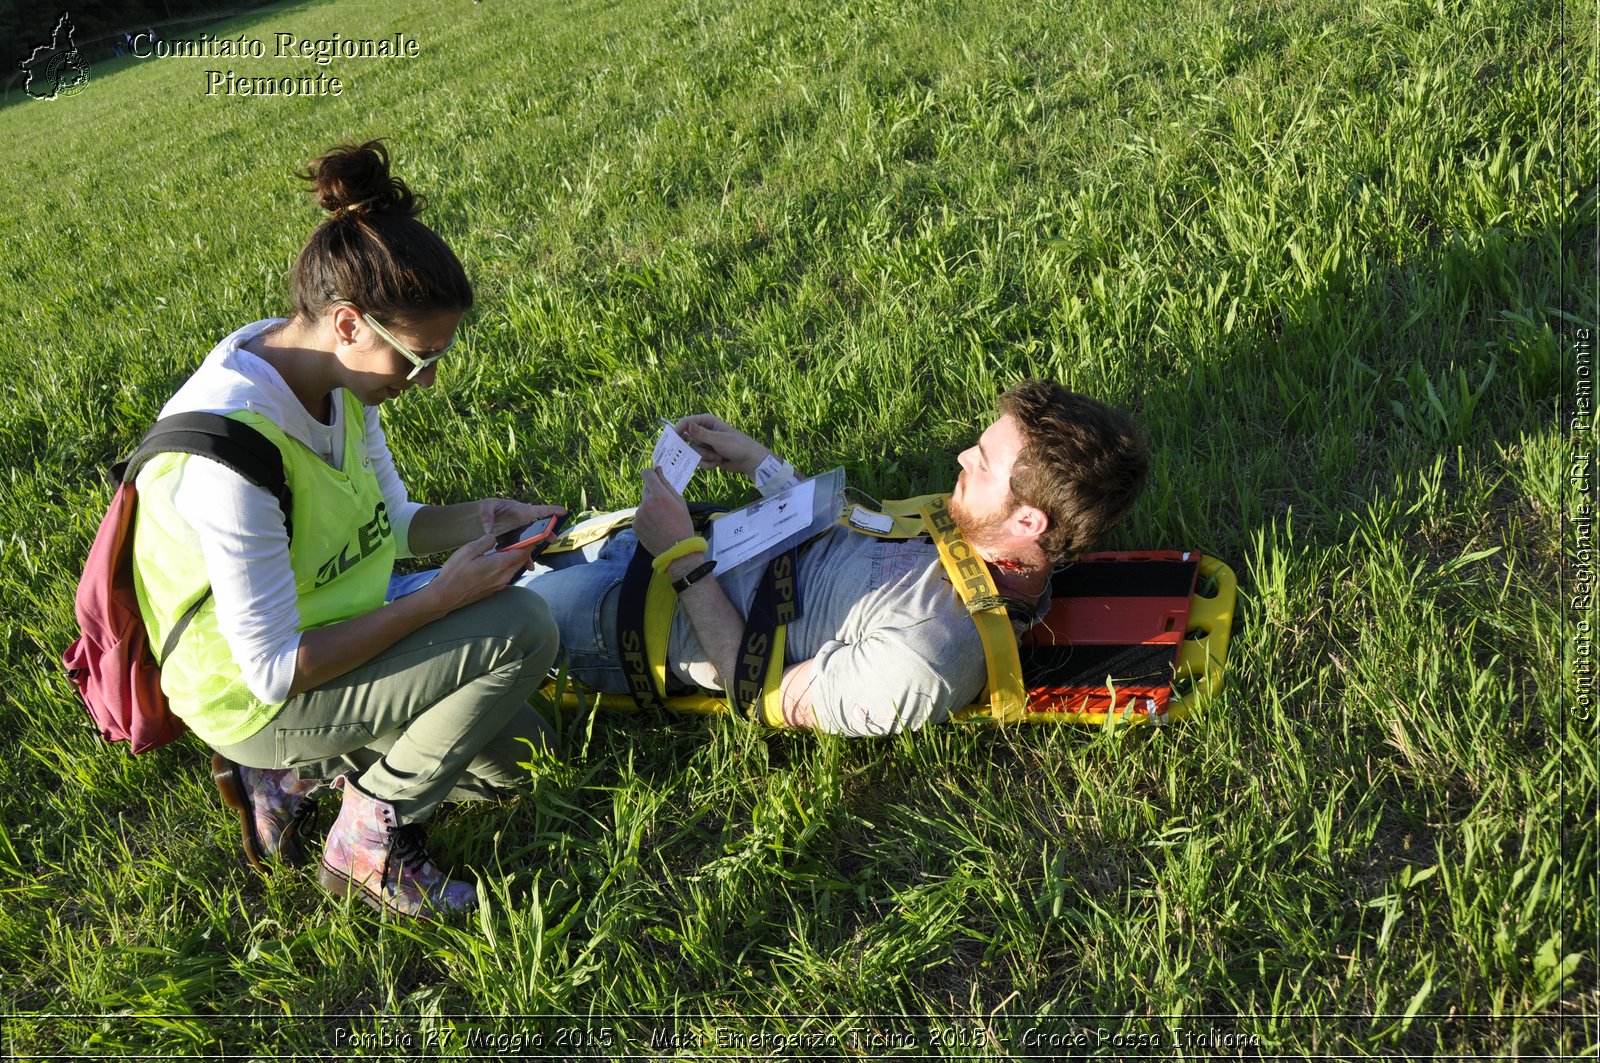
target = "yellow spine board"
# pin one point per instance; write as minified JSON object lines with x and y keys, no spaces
{"x":1204,"y":655}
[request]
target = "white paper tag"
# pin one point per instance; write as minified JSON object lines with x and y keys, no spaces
{"x":676,"y":459}
{"x":743,"y":534}
{"x":868,"y":521}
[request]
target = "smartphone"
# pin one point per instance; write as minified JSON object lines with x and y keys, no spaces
{"x":540,"y":532}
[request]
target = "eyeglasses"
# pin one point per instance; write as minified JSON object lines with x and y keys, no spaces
{"x":418,"y":362}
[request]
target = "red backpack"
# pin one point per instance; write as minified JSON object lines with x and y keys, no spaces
{"x":111,"y":663}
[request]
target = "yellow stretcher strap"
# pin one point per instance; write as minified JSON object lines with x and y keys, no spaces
{"x":772,"y":691}
{"x":592,"y":530}
{"x":659,"y":602}
{"x":895,"y":519}
{"x":1008,"y":702}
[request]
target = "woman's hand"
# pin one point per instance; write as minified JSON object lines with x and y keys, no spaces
{"x":721,"y":445}
{"x":662,"y":519}
{"x":476,"y":571}
{"x":496,"y":515}
{"x":436,"y":529}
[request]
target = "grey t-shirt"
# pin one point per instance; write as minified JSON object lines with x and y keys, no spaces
{"x":894,"y":646}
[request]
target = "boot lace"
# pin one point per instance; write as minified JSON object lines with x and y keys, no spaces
{"x":408,"y":846}
{"x":302,"y":820}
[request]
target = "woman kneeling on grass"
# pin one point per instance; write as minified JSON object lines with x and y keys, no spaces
{"x":295,"y":671}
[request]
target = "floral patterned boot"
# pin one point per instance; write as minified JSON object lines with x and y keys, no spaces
{"x":370,"y":852}
{"x":273,"y":808}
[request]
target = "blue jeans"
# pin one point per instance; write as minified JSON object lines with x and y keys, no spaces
{"x":580,"y":586}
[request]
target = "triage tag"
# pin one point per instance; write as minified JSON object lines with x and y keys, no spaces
{"x":868,"y":521}
{"x":676,"y":459}
{"x":760,"y":531}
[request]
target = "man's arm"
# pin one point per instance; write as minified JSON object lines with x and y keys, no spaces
{"x":661,"y":522}
{"x":796,"y":695}
{"x":720,"y":630}
{"x":717,"y":624}
{"x":886,"y":681}
{"x":715,"y":620}
{"x":721,"y":446}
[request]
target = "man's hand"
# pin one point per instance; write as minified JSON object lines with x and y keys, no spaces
{"x":722,"y":446}
{"x":662,"y":519}
{"x":795,"y":695}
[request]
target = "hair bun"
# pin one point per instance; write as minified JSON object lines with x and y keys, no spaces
{"x":354,"y":180}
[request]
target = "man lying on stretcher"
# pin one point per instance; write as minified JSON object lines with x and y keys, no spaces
{"x":883,"y":642}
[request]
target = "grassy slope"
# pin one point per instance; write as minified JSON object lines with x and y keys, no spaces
{"x":1331,"y":254}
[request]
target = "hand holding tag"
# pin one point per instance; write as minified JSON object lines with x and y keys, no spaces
{"x":721,"y":445}
{"x":675,"y":457}
{"x":662,"y":519}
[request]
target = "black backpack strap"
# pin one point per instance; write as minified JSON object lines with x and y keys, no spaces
{"x":222,"y":439}
{"x":181,"y":626}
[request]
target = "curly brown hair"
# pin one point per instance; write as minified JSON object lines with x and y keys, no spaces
{"x":1084,"y":464}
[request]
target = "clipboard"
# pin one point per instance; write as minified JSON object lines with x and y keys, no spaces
{"x":755,"y":534}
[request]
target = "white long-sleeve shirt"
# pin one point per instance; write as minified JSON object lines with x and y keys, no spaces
{"x":238,"y":527}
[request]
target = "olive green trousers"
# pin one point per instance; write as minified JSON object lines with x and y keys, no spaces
{"x":442,"y":714}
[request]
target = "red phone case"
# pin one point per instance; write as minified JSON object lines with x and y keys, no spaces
{"x":547,"y":530}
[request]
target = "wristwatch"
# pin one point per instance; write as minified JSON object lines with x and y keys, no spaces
{"x":693,"y":576}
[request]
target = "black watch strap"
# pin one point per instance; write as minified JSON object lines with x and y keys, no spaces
{"x":698,"y":573}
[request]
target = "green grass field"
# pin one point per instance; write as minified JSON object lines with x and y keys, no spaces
{"x":1337,"y":256}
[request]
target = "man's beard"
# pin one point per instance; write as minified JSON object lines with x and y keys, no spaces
{"x":977,"y":530}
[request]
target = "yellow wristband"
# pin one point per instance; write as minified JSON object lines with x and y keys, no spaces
{"x":694,"y":544}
